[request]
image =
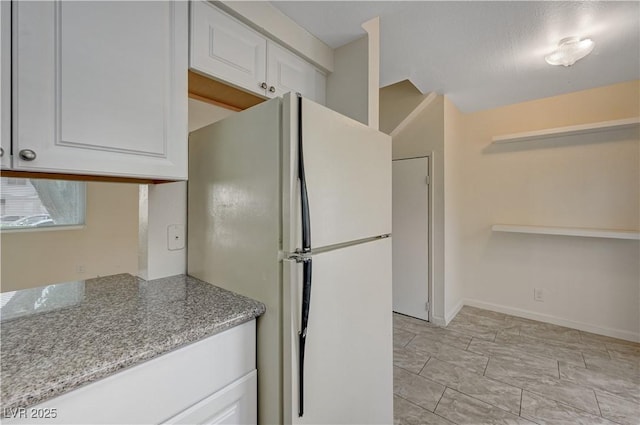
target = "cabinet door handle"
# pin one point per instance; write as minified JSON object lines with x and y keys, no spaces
{"x":272,"y":89}
{"x":263,"y":86}
{"x":1,"y":152}
{"x":27,"y":155}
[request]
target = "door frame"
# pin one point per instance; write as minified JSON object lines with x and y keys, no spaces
{"x":430,"y":225}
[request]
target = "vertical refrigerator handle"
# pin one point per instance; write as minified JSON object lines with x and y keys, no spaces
{"x":306,"y":262}
{"x":302,"y":336}
{"x":304,"y":199}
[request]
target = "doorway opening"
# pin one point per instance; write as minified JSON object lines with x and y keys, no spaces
{"x":412,"y":230}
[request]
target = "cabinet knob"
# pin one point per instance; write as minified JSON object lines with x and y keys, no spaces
{"x":263,"y":86}
{"x":272,"y":89}
{"x":27,"y":155}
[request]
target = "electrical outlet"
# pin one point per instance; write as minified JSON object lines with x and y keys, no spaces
{"x":80,"y":269}
{"x":538,"y":294}
{"x":175,"y":237}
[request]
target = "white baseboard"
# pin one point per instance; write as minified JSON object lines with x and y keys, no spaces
{"x":587,"y":327}
{"x":438,"y":321}
{"x":449,"y":317}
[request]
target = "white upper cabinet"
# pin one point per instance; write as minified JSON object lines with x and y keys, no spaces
{"x":224,"y":46}
{"x":5,"y":85}
{"x":228,"y":50}
{"x":287,"y":72}
{"x":101,"y":88}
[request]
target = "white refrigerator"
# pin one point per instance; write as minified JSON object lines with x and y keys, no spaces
{"x":290,"y":204}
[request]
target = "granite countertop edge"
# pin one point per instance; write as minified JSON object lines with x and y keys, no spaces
{"x":245,"y":310}
{"x":60,"y":388}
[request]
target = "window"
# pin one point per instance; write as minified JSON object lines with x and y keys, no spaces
{"x":35,"y":203}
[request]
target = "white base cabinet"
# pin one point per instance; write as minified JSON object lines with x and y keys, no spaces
{"x":100,"y":88}
{"x":237,"y":403}
{"x":212,"y":381}
{"x":226,"y":49}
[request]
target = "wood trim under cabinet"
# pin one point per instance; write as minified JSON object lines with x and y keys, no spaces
{"x":217,"y":93}
{"x":78,"y":177}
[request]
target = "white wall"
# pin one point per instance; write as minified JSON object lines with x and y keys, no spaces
{"x":372,"y":27}
{"x":348,"y":85}
{"x":162,"y":205}
{"x":454,"y":210}
{"x":582,"y":181}
{"x":353,"y":87}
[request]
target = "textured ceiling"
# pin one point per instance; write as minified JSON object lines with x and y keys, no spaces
{"x":485,"y":54}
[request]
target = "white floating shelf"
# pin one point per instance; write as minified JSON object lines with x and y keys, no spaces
{"x":568,"y":231}
{"x":567,"y":131}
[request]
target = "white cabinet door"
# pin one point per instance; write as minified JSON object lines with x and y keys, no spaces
{"x":101,"y":88}
{"x":233,"y":405}
{"x":287,"y":72}
{"x":5,"y":84}
{"x":226,"y":49}
{"x":411,"y":237}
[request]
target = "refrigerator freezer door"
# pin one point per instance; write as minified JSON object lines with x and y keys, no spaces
{"x":348,"y":175}
{"x":348,"y":377}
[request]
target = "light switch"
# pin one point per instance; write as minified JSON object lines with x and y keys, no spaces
{"x":175,"y":237}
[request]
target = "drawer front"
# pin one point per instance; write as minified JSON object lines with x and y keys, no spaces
{"x":156,"y":390}
{"x":237,"y":403}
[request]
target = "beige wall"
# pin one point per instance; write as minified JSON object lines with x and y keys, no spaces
{"x":396,"y":102}
{"x":425,"y":136}
{"x":109,"y":242}
{"x":581,"y":181}
{"x":162,"y":205}
{"x":353,"y":86}
{"x":348,"y":85}
{"x":106,"y":245}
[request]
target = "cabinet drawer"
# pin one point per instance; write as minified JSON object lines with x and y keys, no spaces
{"x":235,"y":404}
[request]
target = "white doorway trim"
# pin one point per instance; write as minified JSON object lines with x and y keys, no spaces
{"x":431,"y":225}
{"x":430,"y":242}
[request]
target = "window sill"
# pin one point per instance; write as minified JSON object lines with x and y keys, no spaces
{"x":43,"y":229}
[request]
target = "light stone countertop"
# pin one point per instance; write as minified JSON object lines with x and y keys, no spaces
{"x":59,"y":337}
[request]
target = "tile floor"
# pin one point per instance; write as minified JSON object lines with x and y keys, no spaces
{"x":491,"y":368}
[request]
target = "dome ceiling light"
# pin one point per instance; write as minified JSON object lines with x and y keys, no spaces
{"x":569,"y":51}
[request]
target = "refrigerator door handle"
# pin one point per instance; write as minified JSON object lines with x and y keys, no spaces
{"x":302,"y":336}
{"x":304,"y":198}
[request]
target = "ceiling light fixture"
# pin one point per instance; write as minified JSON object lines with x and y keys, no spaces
{"x":570,"y":50}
